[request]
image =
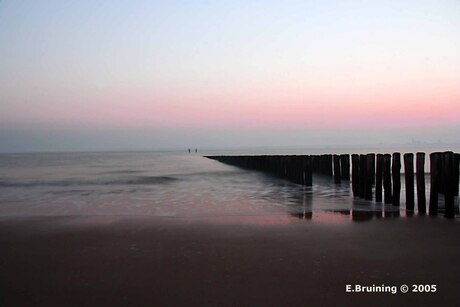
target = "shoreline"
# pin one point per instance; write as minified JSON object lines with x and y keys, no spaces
{"x":116,"y":260}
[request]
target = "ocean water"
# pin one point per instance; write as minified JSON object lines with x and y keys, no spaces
{"x":171,"y":184}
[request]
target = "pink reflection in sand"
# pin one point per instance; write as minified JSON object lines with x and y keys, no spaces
{"x":322,"y":217}
{"x":325,"y":217}
{"x":259,"y":220}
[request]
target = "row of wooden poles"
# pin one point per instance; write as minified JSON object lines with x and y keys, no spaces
{"x":372,"y":175}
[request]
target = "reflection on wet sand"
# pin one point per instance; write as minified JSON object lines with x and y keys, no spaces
{"x":303,"y":215}
{"x":303,"y":204}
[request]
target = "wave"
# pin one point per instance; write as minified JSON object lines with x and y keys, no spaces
{"x":127,"y":171}
{"x":139,"y":180}
{"x":151,"y":180}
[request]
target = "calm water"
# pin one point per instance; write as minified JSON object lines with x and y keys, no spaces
{"x":167,"y":184}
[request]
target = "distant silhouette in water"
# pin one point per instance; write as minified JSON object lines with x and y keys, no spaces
{"x":189,"y":150}
{"x":196,"y":150}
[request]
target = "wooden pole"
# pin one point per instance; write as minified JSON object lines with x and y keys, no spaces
{"x":337,"y":175}
{"x":435,"y":174}
{"x":420,"y":171}
{"x":287,"y":167}
{"x":370,"y":174}
{"x":308,"y":171}
{"x":301,"y":171}
{"x":371,"y":167}
{"x":345,"y":166}
{"x":409,"y":180}
{"x":379,"y":178}
{"x":295,"y":169}
{"x":396,"y":174}
{"x":456,"y":173}
{"x":322,"y":162}
{"x":328,"y":164}
{"x":355,"y":174}
{"x":362,"y":175}
{"x":448,"y":175}
{"x":387,"y":195}
{"x":315,"y":163}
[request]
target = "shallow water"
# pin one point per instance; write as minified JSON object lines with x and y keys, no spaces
{"x":168,"y":184}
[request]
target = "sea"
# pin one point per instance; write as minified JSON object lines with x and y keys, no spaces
{"x":182,"y":184}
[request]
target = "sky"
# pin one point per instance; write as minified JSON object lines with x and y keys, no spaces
{"x":140,"y":75}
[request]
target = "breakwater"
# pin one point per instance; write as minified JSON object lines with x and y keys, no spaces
{"x":372,"y":176}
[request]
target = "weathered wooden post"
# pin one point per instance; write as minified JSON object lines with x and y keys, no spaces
{"x":290,"y":168}
{"x":409,"y":180}
{"x":298,"y":170}
{"x":314,"y":163}
{"x":319,"y":164}
{"x":362,"y":175}
{"x":271,"y":165}
{"x":387,"y":195}
{"x":282,"y":160}
{"x":328,"y":164}
{"x":448,"y":175}
{"x":379,"y":178}
{"x":255,"y":162}
{"x":300,"y":162}
{"x":456,"y":172}
{"x":274,"y":161}
{"x":268,"y":164}
{"x":371,"y":165}
{"x":337,"y":175}
{"x":308,"y":171}
{"x":420,"y":171}
{"x":441,"y":176}
{"x":396,"y":174}
{"x":370,"y":174}
{"x":322,"y":163}
{"x":295,"y":169}
{"x":280,"y":166}
{"x":345,"y":166}
{"x":435,"y":174}
{"x":355,"y":174}
{"x":301,"y":172}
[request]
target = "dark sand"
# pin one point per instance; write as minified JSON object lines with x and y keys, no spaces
{"x":140,"y":261}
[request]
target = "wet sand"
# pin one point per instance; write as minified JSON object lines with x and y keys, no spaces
{"x":145,"y":261}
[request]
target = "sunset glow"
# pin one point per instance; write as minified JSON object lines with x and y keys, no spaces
{"x":144,"y":67}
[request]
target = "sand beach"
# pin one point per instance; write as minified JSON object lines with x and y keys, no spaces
{"x":151,"y":261}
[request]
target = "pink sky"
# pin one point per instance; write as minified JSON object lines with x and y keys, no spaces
{"x":237,"y":66}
